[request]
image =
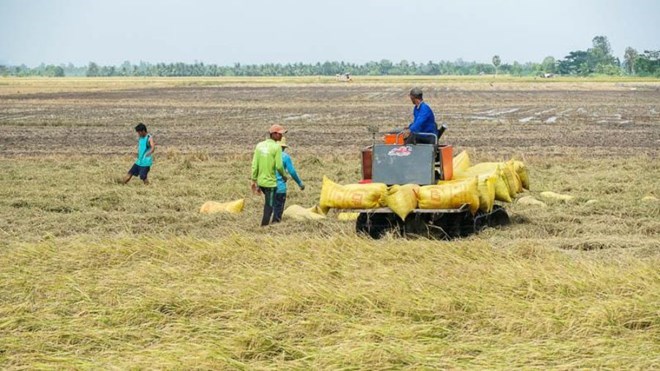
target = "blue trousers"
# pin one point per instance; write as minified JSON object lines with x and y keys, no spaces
{"x":280,"y":199}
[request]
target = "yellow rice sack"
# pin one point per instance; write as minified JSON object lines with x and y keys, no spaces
{"x":500,"y":183}
{"x":319,"y":210}
{"x":402,"y":199}
{"x":450,"y":195}
{"x":510,"y":176}
{"x":352,"y":196}
{"x":461,"y":162}
{"x":521,"y":170}
{"x":212,"y":207}
{"x":514,"y":177}
{"x":298,"y":212}
{"x":486,"y":188}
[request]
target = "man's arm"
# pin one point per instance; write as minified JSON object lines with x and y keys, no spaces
{"x":152,"y":146}
{"x":255,"y":166}
{"x":279,"y":166}
{"x":422,"y":116}
{"x":288,"y":165}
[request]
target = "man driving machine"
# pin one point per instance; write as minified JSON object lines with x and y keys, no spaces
{"x":423,"y":129}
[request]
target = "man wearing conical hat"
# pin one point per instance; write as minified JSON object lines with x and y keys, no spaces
{"x":280,"y":194}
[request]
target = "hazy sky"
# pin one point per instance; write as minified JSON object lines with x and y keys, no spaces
{"x":261,"y":31}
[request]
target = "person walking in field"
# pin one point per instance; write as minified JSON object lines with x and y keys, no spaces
{"x":280,"y":193}
{"x":266,"y":161}
{"x":145,"y":150}
{"x":423,"y":121}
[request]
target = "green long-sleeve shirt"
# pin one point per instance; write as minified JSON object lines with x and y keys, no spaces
{"x":266,"y":160}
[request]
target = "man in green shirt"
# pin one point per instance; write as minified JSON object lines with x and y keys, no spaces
{"x":266,"y":160}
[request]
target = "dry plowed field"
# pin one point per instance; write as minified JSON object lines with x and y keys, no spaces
{"x":535,"y":119}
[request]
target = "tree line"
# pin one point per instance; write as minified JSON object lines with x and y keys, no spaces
{"x":595,"y":60}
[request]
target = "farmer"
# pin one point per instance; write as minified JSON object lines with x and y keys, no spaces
{"x":266,"y":161}
{"x":423,"y":121}
{"x":145,"y":149}
{"x":280,"y":194}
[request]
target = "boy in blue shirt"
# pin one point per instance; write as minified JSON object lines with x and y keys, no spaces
{"x":144,"y":160}
{"x":280,"y":193}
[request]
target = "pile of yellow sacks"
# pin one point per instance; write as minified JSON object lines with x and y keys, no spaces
{"x":477,"y":186}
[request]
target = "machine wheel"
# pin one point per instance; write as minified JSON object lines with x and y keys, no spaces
{"x":376,"y":224}
{"x":442,"y":226}
{"x":498,"y":217}
{"x":417,"y":225}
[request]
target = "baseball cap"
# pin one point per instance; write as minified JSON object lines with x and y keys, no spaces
{"x":277,"y":129}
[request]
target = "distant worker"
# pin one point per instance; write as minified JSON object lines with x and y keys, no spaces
{"x":267,"y":160}
{"x":423,"y":121}
{"x":145,"y":149}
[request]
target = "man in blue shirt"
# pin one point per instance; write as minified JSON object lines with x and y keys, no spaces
{"x":423,"y":122}
{"x":280,"y":193}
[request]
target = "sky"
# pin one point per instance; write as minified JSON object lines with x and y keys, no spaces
{"x":225,"y":32}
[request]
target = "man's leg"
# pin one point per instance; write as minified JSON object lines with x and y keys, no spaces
{"x":280,"y":199}
{"x":420,"y":139}
{"x":144,"y":171}
{"x":269,"y":195}
{"x":133,"y":171}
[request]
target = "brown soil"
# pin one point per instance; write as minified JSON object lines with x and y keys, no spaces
{"x":322,"y":119}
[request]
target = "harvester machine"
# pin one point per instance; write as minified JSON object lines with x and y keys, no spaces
{"x":396,"y":162}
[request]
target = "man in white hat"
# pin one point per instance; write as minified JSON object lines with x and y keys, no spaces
{"x":266,"y":161}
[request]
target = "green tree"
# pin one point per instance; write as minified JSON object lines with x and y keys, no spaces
{"x":575,"y":63}
{"x":648,"y":63}
{"x":385,"y":66}
{"x":549,"y":64}
{"x":496,"y":62}
{"x":629,"y":58}
{"x":601,"y":59}
{"x":92,"y":69}
{"x":58,"y":71}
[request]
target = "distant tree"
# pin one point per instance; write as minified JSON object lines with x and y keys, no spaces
{"x":516,"y":69}
{"x":575,"y":63}
{"x":648,"y":63}
{"x":496,"y":62}
{"x":404,"y":67}
{"x":58,"y":71}
{"x":549,"y":64}
{"x":601,"y":59}
{"x":385,"y":66}
{"x":629,"y":58}
{"x":92,"y":69}
{"x":126,"y":69}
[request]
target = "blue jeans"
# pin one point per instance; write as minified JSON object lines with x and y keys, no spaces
{"x":280,"y":199}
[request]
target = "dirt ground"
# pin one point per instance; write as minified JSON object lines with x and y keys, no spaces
{"x":530,"y":119}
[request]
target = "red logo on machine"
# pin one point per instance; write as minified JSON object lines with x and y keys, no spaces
{"x":400,"y":151}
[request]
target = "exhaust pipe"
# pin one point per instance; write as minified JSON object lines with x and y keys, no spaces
{"x":442,"y":129}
